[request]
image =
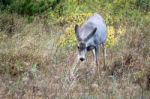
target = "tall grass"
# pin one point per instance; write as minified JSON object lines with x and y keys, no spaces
{"x":33,"y":65}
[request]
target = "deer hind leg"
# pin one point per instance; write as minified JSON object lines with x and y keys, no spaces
{"x":104,"y":56}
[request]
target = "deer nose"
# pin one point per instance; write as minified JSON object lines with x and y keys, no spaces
{"x":82,"y":59}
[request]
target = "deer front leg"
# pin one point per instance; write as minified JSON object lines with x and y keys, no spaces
{"x":96,"y":54}
{"x":95,"y":57}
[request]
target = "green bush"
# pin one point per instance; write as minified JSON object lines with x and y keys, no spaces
{"x":29,"y":7}
{"x":143,"y":5}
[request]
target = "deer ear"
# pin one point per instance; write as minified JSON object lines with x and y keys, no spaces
{"x":91,"y":34}
{"x":77,"y":31}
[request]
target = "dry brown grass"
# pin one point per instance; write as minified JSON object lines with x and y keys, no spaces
{"x":34,"y":67}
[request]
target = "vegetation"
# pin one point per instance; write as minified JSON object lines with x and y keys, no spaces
{"x":38,"y":49}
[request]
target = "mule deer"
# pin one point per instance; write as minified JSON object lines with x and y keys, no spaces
{"x":90,"y":36}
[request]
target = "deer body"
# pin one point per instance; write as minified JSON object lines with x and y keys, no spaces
{"x":90,"y":36}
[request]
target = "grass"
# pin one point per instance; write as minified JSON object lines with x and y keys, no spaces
{"x":33,"y":66}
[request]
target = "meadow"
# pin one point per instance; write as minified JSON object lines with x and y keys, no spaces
{"x":38,"y":49}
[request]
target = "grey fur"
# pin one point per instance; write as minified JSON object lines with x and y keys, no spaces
{"x":92,"y":33}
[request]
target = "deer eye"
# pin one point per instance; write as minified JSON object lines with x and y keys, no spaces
{"x":78,"y":47}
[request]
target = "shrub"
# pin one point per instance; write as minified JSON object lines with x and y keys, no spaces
{"x":68,"y":39}
{"x":29,"y":7}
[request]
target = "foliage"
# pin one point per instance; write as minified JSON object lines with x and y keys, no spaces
{"x":35,"y":59}
{"x":68,"y":13}
{"x":28,"y":7}
{"x":69,"y":40}
{"x":144,"y":5}
{"x":116,"y":13}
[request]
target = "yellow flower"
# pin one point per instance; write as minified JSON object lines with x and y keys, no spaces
{"x":121,"y":30}
{"x":111,"y":40}
{"x":68,"y":38}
